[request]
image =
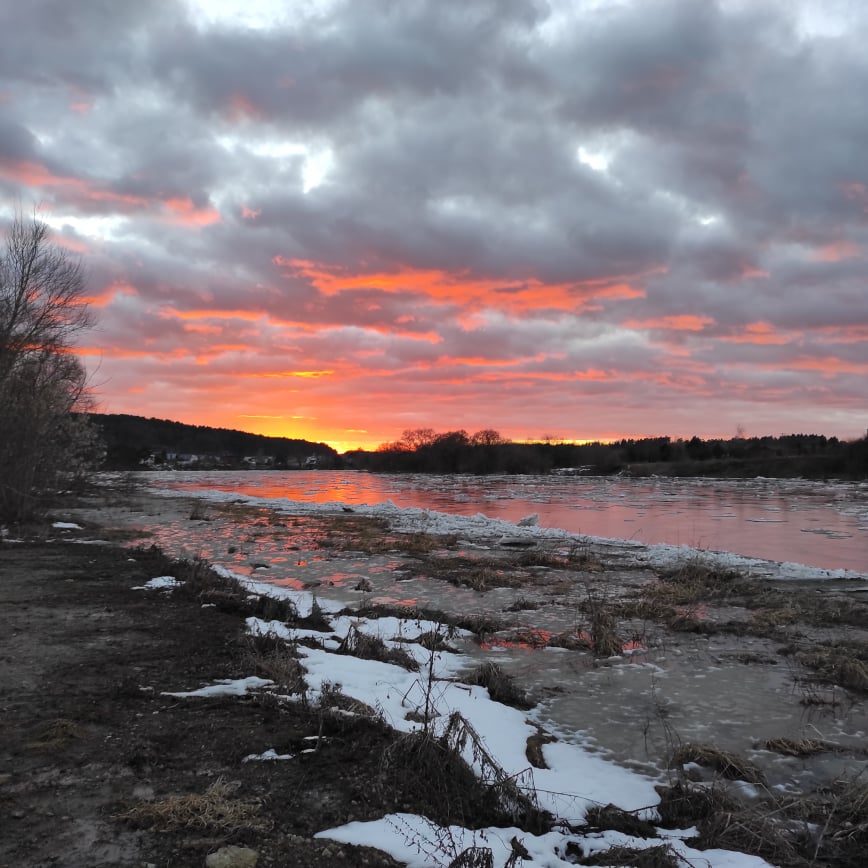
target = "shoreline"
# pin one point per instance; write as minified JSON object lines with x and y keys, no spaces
{"x":307,"y":658}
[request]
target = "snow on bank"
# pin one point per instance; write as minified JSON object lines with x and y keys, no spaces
{"x":419,"y":843}
{"x":66,"y":525}
{"x":225,"y":687}
{"x":160,"y":583}
{"x":575,"y":780}
{"x":490,"y":531}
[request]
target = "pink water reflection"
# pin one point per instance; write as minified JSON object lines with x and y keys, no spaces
{"x":820,"y":524}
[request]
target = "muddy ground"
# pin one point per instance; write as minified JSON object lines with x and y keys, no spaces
{"x":88,"y":735}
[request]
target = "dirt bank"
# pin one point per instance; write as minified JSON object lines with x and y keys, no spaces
{"x":88,"y":735}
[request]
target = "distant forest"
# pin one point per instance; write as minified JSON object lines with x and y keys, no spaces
{"x":807,"y":455}
{"x":134,"y":442}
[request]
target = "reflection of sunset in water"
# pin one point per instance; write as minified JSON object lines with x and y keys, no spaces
{"x":819,"y":524}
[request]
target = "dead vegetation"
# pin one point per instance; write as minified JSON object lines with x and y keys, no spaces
{"x":660,"y":856}
{"x":215,"y":810}
{"x":726,"y":764}
{"x":604,"y":638}
{"x":269,"y":656}
{"x":501,"y":687}
{"x":695,"y":581}
{"x":481,"y":624}
{"x":800,"y":747}
{"x":523,"y":604}
{"x":374,"y":536}
{"x":610,"y":817}
{"x":358,"y":644}
{"x":683,"y":804}
{"x":419,"y":760}
{"x":56,"y":735}
{"x":840,"y":663}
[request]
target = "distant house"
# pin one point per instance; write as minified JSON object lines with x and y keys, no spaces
{"x":258,"y":461}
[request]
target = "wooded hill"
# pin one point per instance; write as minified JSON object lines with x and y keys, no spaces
{"x":133,"y":440}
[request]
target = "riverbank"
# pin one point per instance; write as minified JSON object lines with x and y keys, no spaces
{"x":90,"y":735}
{"x":116,"y":748}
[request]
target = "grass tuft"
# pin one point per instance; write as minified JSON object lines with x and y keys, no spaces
{"x":726,"y":764}
{"x":501,"y":687}
{"x":215,"y":810}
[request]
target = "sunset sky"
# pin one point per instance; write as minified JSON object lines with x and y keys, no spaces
{"x":339,"y":220}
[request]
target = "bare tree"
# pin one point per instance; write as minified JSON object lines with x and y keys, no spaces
{"x":42,"y":384}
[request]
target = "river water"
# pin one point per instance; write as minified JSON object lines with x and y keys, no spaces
{"x":821,"y":524}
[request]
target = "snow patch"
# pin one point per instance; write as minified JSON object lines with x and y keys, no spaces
{"x":225,"y":687}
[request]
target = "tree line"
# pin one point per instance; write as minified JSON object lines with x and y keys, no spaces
{"x":424,"y":450}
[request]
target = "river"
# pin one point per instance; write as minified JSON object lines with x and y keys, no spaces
{"x":821,"y":524}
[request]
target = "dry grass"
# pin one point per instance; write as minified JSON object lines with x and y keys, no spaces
{"x":523,"y":604}
{"x":215,"y":810}
{"x":800,"y":747}
{"x":358,"y":644}
{"x":843,"y":664}
{"x":631,"y":857}
{"x":481,"y":624}
{"x":501,"y":687}
{"x":752,"y":830}
{"x":610,"y":817}
{"x":334,"y":703}
{"x":726,"y":764}
{"x":478,"y":573}
{"x":695,"y":581}
{"x":768,"y":620}
{"x":200,"y":512}
{"x":271,"y":657}
{"x":682,"y":805}
{"x":473,"y":857}
{"x":317,"y":619}
{"x":604,"y":639}
{"x":56,"y":735}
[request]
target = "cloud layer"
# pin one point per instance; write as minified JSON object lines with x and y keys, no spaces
{"x":587,"y":219}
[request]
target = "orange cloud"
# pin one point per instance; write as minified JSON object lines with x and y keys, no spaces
{"x":828,"y":365}
{"x":836,"y":251}
{"x":679,"y":323}
{"x":445,"y":286}
{"x":183,"y":210}
{"x":758,"y":333}
{"x":173,"y":209}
